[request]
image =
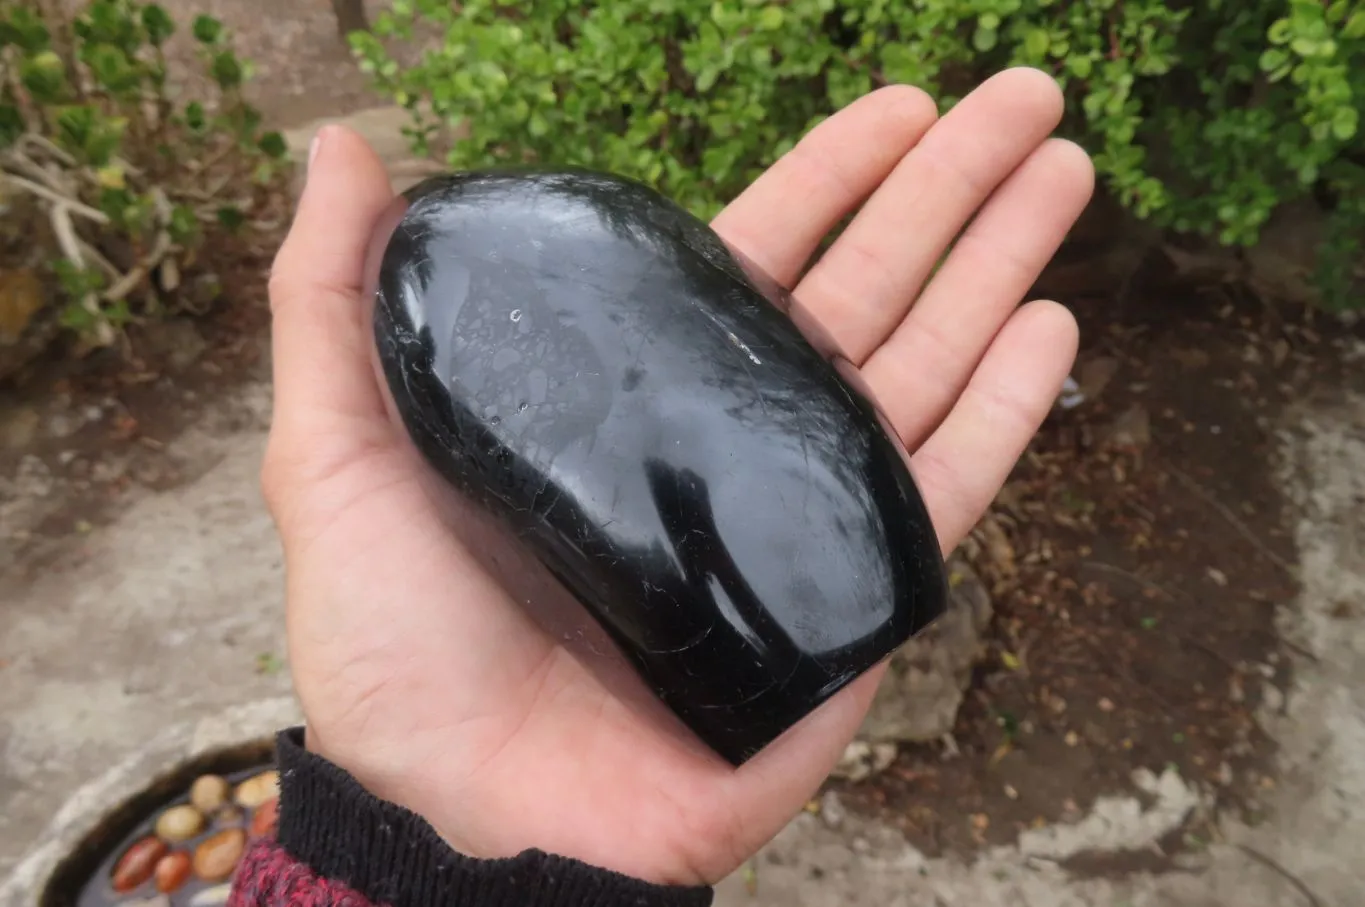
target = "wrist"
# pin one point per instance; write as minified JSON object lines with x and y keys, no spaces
{"x":392,"y":856}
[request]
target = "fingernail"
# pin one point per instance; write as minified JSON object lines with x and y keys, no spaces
{"x":315,"y":145}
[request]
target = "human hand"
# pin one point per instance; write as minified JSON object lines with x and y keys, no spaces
{"x":417,"y":670}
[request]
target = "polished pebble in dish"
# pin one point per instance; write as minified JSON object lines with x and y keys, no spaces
{"x":211,"y":897}
{"x":172,"y":871}
{"x":255,"y":790}
{"x":138,"y":863}
{"x":179,"y":823}
{"x":209,"y":793}
{"x":217,"y":856}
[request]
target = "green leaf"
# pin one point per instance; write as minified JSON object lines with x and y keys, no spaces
{"x":771,"y":18}
{"x":44,"y":75}
{"x":104,"y":140}
{"x":231,"y":218}
{"x":110,"y":22}
{"x":157,"y":23}
{"x":226,"y":70}
{"x":194,"y":116}
{"x":984,"y":39}
{"x":1344,"y":123}
{"x":273,"y":145}
{"x":1080,"y":66}
{"x":1036,"y":43}
{"x":183,"y":224}
{"x":1355,"y":26}
{"x":25,"y":30}
{"x":1305,"y":47}
{"x":207,"y":30}
{"x":74,"y":126}
{"x":112,"y":68}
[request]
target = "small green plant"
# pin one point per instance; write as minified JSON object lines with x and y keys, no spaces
{"x":117,"y":189}
{"x":1202,"y":117}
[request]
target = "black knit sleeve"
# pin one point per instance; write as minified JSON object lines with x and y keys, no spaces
{"x":393,"y":857}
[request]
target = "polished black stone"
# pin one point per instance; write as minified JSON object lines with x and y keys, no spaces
{"x":592,"y":365}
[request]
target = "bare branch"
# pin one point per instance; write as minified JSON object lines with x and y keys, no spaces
{"x":129,"y":281}
{"x":65,"y":232}
{"x":17,"y":160}
{"x":51,"y":149}
{"x":98,"y":258}
{"x":72,"y":205}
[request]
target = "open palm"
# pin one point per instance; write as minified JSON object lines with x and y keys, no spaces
{"x":419,"y":670}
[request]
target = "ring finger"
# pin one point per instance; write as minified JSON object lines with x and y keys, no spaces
{"x":923,"y":366}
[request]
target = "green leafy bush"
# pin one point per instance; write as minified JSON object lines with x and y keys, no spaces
{"x":113,"y":190}
{"x":1202,"y":117}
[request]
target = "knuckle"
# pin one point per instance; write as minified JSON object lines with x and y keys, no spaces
{"x":274,"y":479}
{"x":279,"y":286}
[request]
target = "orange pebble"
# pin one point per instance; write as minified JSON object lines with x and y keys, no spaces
{"x":137,"y":863}
{"x":217,"y":855}
{"x":171,"y":871}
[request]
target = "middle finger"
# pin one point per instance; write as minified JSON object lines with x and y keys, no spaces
{"x":863,"y":286}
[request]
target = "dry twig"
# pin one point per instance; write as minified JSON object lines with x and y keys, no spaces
{"x":1233,"y":520}
{"x":75,"y":206}
{"x":1285,"y":874}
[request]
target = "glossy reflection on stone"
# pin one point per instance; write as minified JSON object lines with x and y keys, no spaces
{"x":592,"y":365}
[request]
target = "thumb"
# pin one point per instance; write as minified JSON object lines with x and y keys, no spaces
{"x":320,"y":331}
{"x":327,"y":402}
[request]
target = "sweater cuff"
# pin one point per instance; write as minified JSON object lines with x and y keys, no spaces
{"x":392,"y":856}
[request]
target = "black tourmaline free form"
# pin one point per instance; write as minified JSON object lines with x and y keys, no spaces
{"x":590,"y":364}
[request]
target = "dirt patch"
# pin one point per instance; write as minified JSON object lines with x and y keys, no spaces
{"x":79,"y":436}
{"x":1138,"y":557}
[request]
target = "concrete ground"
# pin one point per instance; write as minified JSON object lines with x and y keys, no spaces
{"x":172,"y":613}
{"x":157,"y":618}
